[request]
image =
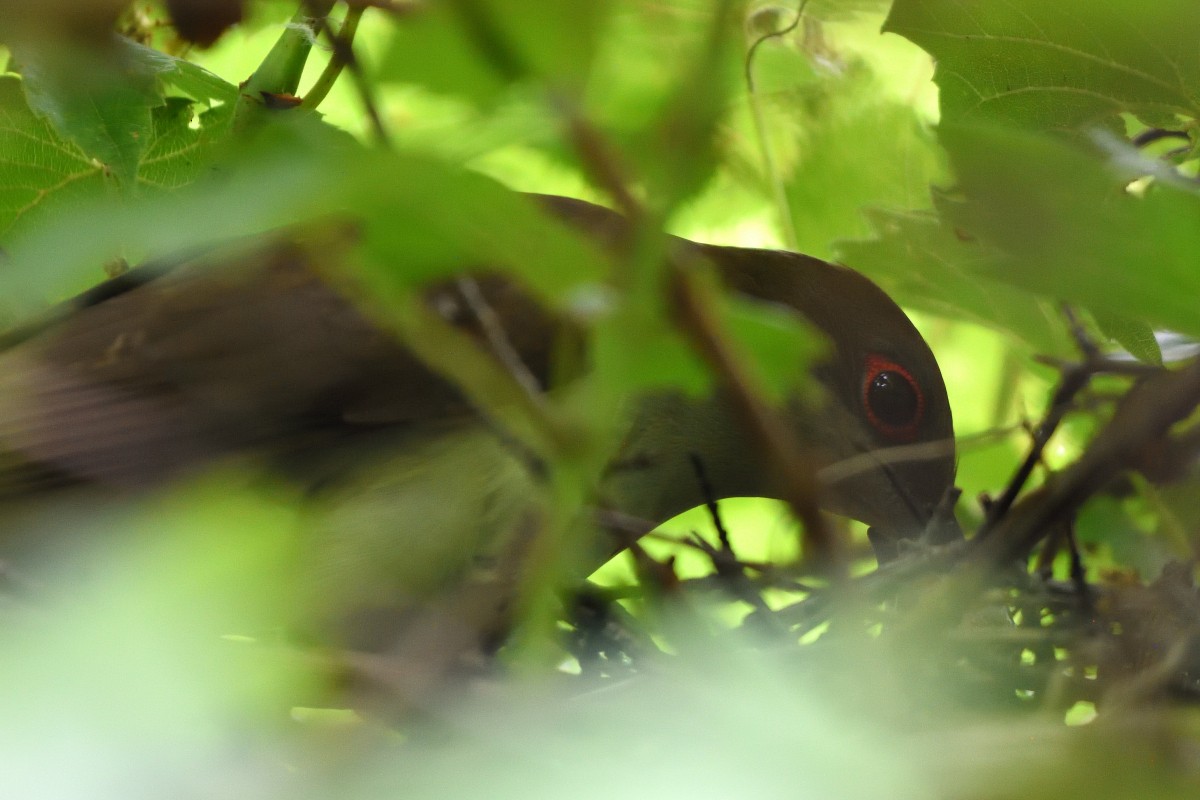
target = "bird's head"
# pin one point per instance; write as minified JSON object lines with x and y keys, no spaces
{"x":882,"y":436}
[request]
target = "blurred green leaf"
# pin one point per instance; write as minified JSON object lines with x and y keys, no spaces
{"x":1135,"y":336}
{"x":419,"y":218}
{"x":641,"y":349}
{"x":647,"y":50}
{"x":777,"y":347}
{"x":1058,"y":65}
{"x":841,"y":137}
{"x":478,"y":48}
{"x":425,"y":218}
{"x":1070,"y":229}
{"x":664,"y":115}
{"x":926,"y":265}
{"x":857,"y":153}
{"x":660,"y":360}
{"x":432,"y":51}
{"x":127,"y":657}
{"x":660,"y":118}
{"x":763,"y":736}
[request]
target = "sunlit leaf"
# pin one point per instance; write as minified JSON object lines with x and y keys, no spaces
{"x":878,"y":155}
{"x":100,"y":100}
{"x":38,"y":171}
{"x":197,"y":82}
{"x":183,"y":144}
{"x":1060,"y":65}
{"x":45,"y":174}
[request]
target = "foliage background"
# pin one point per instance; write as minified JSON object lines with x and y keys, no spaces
{"x":980,"y":195}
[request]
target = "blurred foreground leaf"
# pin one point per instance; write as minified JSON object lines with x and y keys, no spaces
{"x":925,"y":265}
{"x":1071,"y":229}
{"x":124,"y":672}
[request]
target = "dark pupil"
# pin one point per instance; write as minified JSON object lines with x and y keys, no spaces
{"x":893,"y":399}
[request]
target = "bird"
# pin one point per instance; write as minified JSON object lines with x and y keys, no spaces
{"x":249,"y":349}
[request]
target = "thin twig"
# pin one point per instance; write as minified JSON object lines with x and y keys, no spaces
{"x":768,"y":430}
{"x":1143,"y":417}
{"x":710,"y":500}
{"x":343,"y":51}
{"x":598,"y":160}
{"x":1102,"y":365}
{"x":1078,"y":571}
{"x":1075,"y":378}
{"x":333,"y":70}
{"x":779,"y":193}
{"x":1153,"y":135}
{"x":498,"y":340}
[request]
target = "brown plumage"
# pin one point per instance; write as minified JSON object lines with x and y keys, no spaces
{"x":153,"y":373}
{"x":247,"y":350}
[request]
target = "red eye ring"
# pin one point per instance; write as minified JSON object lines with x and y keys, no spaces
{"x":892,"y":399}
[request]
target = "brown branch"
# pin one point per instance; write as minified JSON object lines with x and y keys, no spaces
{"x":343,"y":51}
{"x":333,"y":70}
{"x":769,"y":431}
{"x":1075,"y":378}
{"x":1142,"y":419}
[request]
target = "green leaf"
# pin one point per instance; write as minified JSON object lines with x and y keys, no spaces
{"x":857,"y":152}
{"x":198,"y":83}
{"x":52,"y":256}
{"x":98,"y":99}
{"x":1061,"y":65}
{"x":110,"y":106}
{"x":477,"y":48}
{"x":665,"y":113}
{"x":522,"y":65}
{"x":925,"y":264}
{"x":431,"y":51}
{"x":183,"y":144}
{"x":419,"y":219}
{"x":39,"y":172}
{"x":1134,"y":335}
{"x":777,"y":345}
{"x":148,"y":597}
{"x":1072,"y":231}
{"x":192,"y":79}
{"x":424,"y":219}
{"x":661,"y":359}
{"x":843,"y":133}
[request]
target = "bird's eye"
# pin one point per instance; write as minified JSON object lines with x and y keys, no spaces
{"x":892,"y":399}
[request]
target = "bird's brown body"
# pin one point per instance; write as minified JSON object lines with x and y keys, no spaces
{"x":162,"y":371}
